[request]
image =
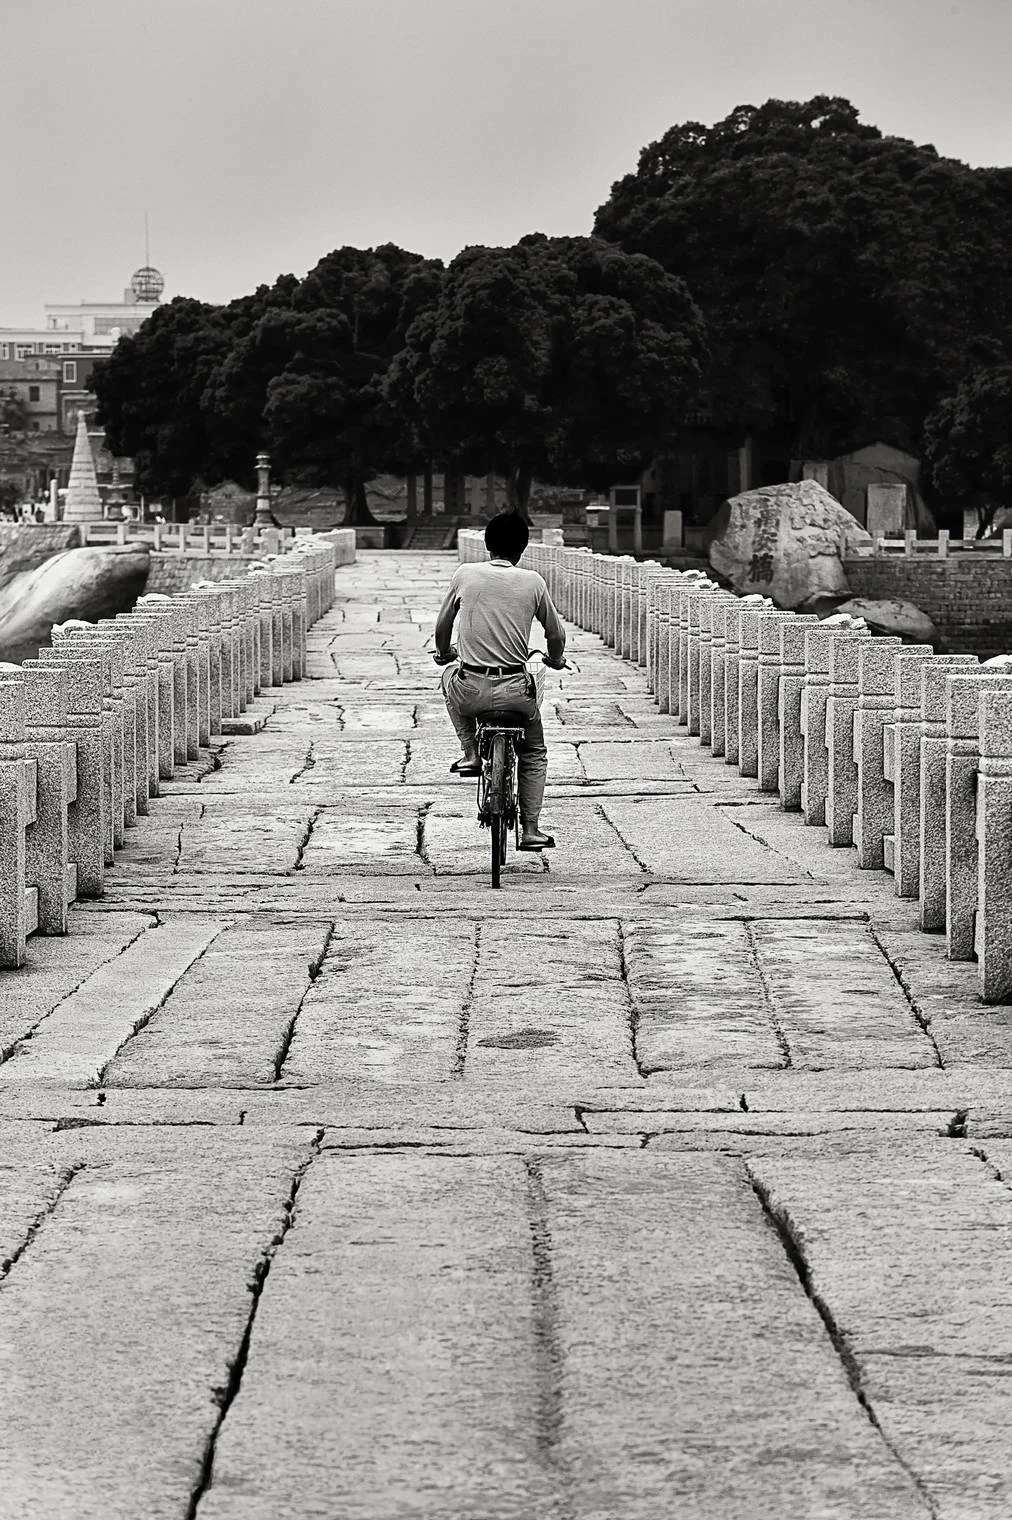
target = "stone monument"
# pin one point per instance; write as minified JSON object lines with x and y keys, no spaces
{"x":83,"y":503}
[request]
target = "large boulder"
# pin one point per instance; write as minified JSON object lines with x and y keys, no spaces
{"x":890,"y":615}
{"x":787,"y":541}
{"x":78,"y":583}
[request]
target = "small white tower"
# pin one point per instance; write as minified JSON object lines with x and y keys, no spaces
{"x":84,"y":502}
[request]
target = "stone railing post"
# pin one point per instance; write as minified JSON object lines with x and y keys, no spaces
{"x":880,"y":668}
{"x":841,"y":705}
{"x":920,"y":716}
{"x":48,"y":865}
{"x":18,"y":901}
{"x":87,"y":822}
{"x":954,"y":908}
{"x":769,"y":667}
{"x":790,"y":735}
{"x":993,"y":940}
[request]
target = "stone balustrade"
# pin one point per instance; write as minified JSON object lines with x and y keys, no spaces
{"x":901,"y":753}
{"x":91,"y":729}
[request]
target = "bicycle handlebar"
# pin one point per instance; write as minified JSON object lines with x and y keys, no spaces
{"x":531,"y":654}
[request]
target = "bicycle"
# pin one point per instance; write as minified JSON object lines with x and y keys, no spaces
{"x":498,"y":735}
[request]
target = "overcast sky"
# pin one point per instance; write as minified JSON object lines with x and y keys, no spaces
{"x":259,"y":135}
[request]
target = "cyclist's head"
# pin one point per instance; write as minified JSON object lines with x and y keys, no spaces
{"x":506,"y":536}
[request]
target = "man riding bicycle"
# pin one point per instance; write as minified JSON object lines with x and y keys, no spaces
{"x":497,"y":603}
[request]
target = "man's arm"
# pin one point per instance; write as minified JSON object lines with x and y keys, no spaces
{"x":444,"y":622}
{"x":555,"y":634}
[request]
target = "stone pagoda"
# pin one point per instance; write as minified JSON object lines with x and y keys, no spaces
{"x":83,"y":503}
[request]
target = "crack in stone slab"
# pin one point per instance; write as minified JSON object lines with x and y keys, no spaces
{"x":464,"y":1024}
{"x":920,"y":1017}
{"x":227,"y":1395}
{"x":148,"y":1015}
{"x":406,"y":761}
{"x":549,"y":1356}
{"x":421,"y":849}
{"x":217,"y":763}
{"x":315,"y":967}
{"x":781,"y":1223}
{"x":725,"y":807}
{"x":67,"y":1176}
{"x":620,"y":837}
{"x":766,"y":991}
{"x":307,"y":835}
{"x":15,"y":1047}
{"x":307,"y":765}
{"x":632,"y":1011}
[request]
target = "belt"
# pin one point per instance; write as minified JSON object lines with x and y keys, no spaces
{"x":494,"y":670}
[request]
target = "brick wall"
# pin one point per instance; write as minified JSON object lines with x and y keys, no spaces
{"x":170,"y":573}
{"x":968,"y":598}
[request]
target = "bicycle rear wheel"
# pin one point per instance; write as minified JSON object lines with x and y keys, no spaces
{"x":497,"y":805}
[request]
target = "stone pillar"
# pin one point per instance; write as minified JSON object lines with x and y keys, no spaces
{"x":17,"y":811}
{"x":262,"y":519}
{"x":768,"y":674}
{"x":958,"y":906}
{"x":86,"y":817}
{"x":748,"y":691}
{"x":791,"y":740}
{"x":881,"y":665}
{"x":815,"y":777}
{"x":994,"y":842}
{"x":723,"y":608}
{"x":886,"y":511}
{"x":920,"y":722}
{"x":841,"y":705}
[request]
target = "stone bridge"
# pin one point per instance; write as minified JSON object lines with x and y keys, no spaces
{"x":668,"y":1180}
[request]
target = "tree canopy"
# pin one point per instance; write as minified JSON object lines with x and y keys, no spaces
{"x":15,"y":413}
{"x":968,"y":444}
{"x":563,"y":359}
{"x":844,"y":276}
{"x":296,"y":368}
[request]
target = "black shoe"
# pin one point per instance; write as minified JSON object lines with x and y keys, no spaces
{"x":466,"y":768}
{"x":537,"y":841}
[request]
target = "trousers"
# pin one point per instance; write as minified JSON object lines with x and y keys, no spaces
{"x":467,"y":694}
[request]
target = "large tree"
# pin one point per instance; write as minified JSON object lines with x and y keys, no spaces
{"x":844,"y":276}
{"x":561,"y":359}
{"x":306,"y":376}
{"x":295,"y":368}
{"x":968,"y":445}
{"x":150,"y":396}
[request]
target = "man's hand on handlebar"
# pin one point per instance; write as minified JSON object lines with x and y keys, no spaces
{"x":447,"y":658}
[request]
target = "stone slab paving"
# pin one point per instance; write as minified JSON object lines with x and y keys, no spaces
{"x":675,"y":1178}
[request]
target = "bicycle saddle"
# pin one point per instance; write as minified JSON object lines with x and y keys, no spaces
{"x":502,"y":719}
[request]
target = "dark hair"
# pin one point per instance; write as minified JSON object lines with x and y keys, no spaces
{"x":507,"y":536}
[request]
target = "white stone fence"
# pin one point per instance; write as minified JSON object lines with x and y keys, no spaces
{"x":912,"y":547}
{"x":91,"y":729}
{"x":904,"y":754}
{"x":204,"y":538}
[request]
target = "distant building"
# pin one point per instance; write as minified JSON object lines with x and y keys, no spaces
{"x":50,"y":369}
{"x":101,"y":324}
{"x":35,"y":382}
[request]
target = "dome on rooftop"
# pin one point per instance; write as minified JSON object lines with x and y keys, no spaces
{"x":147,"y":283}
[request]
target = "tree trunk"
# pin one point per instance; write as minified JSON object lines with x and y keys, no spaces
{"x":518,"y":487}
{"x":357,"y":512}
